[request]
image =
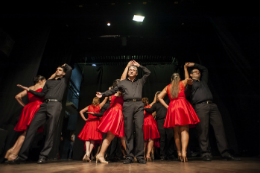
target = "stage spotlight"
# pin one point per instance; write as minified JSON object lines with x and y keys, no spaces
{"x":94,"y":65}
{"x":108,"y":24}
{"x":138,"y":18}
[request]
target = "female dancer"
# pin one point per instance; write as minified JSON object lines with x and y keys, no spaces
{"x":27,"y":115}
{"x":180,"y":113}
{"x":112,"y":123}
{"x":89,"y":132}
{"x":151,"y":132}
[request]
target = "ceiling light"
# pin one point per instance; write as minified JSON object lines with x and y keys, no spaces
{"x":108,"y":24}
{"x":138,"y":18}
{"x":94,"y":65}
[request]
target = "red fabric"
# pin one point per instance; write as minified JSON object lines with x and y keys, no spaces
{"x":29,"y":111}
{"x":150,"y":126}
{"x":180,"y":111}
{"x":112,"y":119}
{"x":89,"y":131}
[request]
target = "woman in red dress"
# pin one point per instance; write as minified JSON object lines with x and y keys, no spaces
{"x":180,"y":115}
{"x":27,"y":114}
{"x":112,"y":123}
{"x":151,"y":132}
{"x":89,"y":132}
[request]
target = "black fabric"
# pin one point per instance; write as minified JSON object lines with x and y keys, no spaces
{"x":48,"y":111}
{"x":161,"y":111}
{"x":101,"y":78}
{"x":209,"y":114}
{"x":130,"y":90}
{"x":103,"y":109}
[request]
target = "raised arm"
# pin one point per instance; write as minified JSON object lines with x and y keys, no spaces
{"x":186,"y":74}
{"x":146,"y":71}
{"x":154,"y":100}
{"x":68,"y":73}
{"x":103,"y":102}
{"x":38,"y":94}
{"x":82,"y":113}
{"x":108,"y":92}
{"x":161,"y":96}
{"x":204,"y":72}
{"x":124,"y":75}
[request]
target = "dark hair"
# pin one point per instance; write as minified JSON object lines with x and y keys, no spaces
{"x":145,"y":100}
{"x":37,"y":78}
{"x":175,"y":85}
{"x":63,"y":68}
{"x":191,"y":71}
{"x":115,"y":83}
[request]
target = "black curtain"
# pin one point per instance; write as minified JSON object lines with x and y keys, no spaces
{"x":19,"y":68}
{"x":100,"y":78}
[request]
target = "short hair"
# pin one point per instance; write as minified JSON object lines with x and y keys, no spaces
{"x":191,"y":72}
{"x":63,"y":68}
{"x":133,"y":67}
{"x":95,"y":101}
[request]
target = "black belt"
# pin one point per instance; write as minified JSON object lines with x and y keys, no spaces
{"x":51,"y":100}
{"x":205,"y":102}
{"x":132,"y":100}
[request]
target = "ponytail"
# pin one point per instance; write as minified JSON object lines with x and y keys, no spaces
{"x":175,"y":85}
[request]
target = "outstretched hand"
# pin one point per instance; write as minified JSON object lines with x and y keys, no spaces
{"x":23,"y":87}
{"x":136,"y":63}
{"x":98,"y":94}
{"x":189,"y":64}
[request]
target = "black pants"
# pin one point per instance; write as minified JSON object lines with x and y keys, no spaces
{"x":166,"y":140}
{"x":48,"y":111}
{"x":134,"y":111}
{"x":209,"y":114}
{"x":115,"y":150}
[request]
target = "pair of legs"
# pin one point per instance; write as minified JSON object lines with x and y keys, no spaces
{"x":181,"y":136}
{"x":12,"y":153}
{"x":149,"y":143}
{"x":89,"y":147}
{"x":105,"y":144}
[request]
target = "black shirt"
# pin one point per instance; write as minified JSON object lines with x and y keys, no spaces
{"x":131,"y":90}
{"x":161,"y":111}
{"x":54,"y":89}
{"x":199,"y":91}
{"x":103,"y":109}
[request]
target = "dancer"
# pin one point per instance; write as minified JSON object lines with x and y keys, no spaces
{"x":53,"y":91}
{"x":133,"y":108}
{"x":112,"y":123}
{"x":207,"y":111}
{"x":166,"y":134}
{"x":89,"y":132}
{"x":27,"y":115}
{"x":151,"y":132}
{"x":180,"y":113}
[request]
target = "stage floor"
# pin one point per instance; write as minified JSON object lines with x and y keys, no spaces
{"x":247,"y":165}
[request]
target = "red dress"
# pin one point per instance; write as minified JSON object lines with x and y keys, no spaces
{"x":29,"y":111}
{"x":89,"y":131}
{"x":180,"y":111}
{"x":112,"y":119}
{"x":150,"y":127}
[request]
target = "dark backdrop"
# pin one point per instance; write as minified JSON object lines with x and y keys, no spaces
{"x":100,"y":78}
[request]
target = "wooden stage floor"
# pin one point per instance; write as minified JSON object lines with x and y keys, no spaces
{"x":247,"y":165}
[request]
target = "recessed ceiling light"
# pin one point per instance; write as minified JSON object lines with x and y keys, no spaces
{"x":138,"y":18}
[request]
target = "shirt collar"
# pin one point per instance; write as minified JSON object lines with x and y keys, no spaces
{"x":57,"y":79}
{"x":131,"y":81}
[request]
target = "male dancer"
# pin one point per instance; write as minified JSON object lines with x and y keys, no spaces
{"x":202,"y":100}
{"x":50,"y":110}
{"x":133,"y":109}
{"x":166,"y":134}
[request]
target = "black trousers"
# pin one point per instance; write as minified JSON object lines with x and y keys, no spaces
{"x":115,"y":150}
{"x":134,"y":111}
{"x":209,"y":114}
{"x":48,"y":111}
{"x":166,"y":140}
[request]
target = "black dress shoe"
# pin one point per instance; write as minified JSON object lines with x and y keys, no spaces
{"x":42,"y":160}
{"x":141,"y":161}
{"x":206,"y":158}
{"x":230,"y":157}
{"x":18,"y":160}
{"x":128,"y":161}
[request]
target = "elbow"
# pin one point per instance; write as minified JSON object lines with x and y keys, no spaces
{"x":17,"y":97}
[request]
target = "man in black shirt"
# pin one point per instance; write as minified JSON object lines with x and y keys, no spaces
{"x":133,"y":109}
{"x":202,"y":100}
{"x":50,"y":110}
{"x":166,"y":134}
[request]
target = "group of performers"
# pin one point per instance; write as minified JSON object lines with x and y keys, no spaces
{"x":126,"y":112}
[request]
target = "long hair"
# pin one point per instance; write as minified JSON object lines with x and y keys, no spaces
{"x":115,"y":83}
{"x":175,"y":85}
{"x":95,"y":101}
{"x":145,"y":100}
{"x":37,"y":78}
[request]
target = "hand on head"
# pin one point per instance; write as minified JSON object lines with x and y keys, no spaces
{"x":136,"y":63}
